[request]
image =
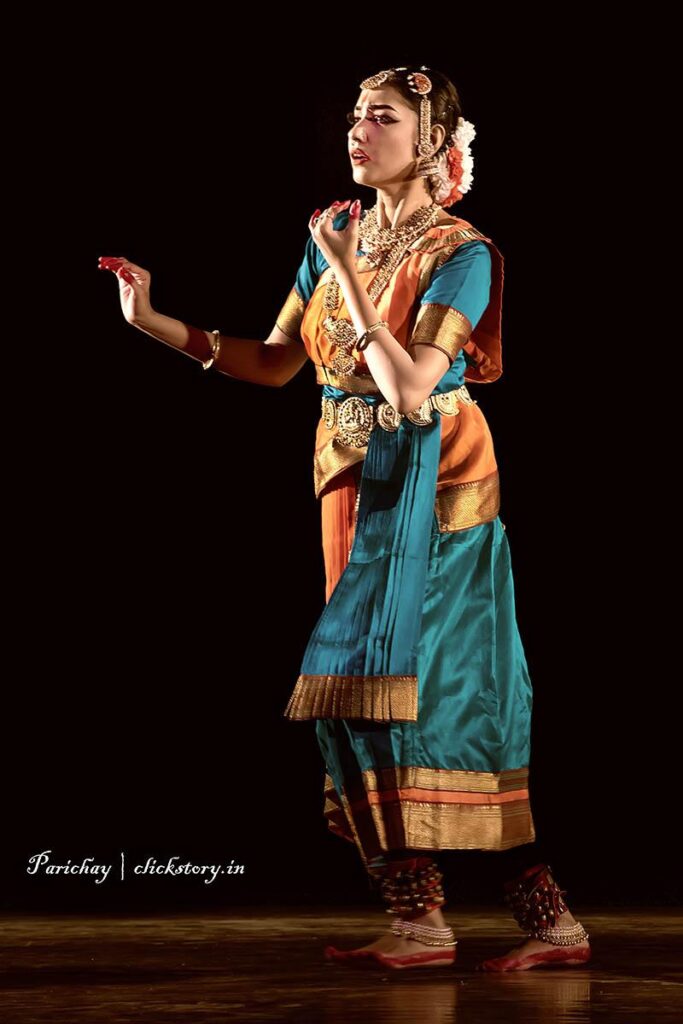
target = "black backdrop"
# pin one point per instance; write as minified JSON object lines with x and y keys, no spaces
{"x":163,"y":542}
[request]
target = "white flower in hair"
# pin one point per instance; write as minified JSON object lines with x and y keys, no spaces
{"x":462,"y":136}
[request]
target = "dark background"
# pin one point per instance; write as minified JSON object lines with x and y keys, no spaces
{"x":163,"y":545}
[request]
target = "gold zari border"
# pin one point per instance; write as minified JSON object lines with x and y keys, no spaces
{"x":442,"y":327}
{"x":446,"y":239}
{"x":357,"y":384}
{"x":465,"y":809}
{"x":333,"y":458}
{"x":469,"y":504}
{"x":378,"y":698}
{"x":291,"y":316}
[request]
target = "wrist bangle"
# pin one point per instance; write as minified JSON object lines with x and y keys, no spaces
{"x":198,"y":345}
{"x":362,"y":342}
{"x":215,"y":349}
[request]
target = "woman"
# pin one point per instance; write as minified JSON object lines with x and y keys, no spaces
{"x":415,"y":672}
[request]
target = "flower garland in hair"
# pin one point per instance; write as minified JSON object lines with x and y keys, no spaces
{"x":453,"y":176}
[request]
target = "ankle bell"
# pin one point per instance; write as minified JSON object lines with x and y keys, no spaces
{"x":412,"y":886}
{"x":537,"y":902}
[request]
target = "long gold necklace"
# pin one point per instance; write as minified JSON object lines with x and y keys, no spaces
{"x":383,"y":248}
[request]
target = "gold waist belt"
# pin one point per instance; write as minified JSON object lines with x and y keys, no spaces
{"x":355,"y":418}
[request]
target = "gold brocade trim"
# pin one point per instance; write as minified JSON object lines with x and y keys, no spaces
{"x":377,"y":698}
{"x":291,"y":315}
{"x":458,"y":809}
{"x":438,"y":251}
{"x":441,"y":326}
{"x":333,"y":458}
{"x":358,"y":384}
{"x":446,"y":238}
{"x":468,"y":504}
{"x":447,"y":780}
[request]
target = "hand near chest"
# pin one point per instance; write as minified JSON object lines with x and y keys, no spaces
{"x":338,"y":246}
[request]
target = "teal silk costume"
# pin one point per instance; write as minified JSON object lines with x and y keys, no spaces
{"x":415,"y":672}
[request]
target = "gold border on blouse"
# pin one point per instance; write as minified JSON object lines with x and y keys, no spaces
{"x":291,"y":315}
{"x":441,"y":326}
{"x":377,"y":698}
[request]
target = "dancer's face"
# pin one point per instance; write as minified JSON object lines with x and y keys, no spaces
{"x":386,"y":128}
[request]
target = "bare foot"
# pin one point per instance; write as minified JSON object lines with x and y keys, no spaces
{"x":532,"y":947}
{"x":397,"y":945}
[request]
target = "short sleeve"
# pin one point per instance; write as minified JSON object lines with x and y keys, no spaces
{"x":455,"y":299}
{"x":292,"y":313}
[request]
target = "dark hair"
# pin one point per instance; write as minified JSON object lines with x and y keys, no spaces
{"x":444,"y":97}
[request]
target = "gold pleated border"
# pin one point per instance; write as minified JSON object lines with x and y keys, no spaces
{"x":377,"y":698}
{"x":468,"y":504}
{"x":433,"y":809}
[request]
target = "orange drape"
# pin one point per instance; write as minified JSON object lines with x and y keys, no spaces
{"x":338,"y":501}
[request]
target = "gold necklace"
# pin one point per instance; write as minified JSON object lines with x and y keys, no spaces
{"x":382,"y":247}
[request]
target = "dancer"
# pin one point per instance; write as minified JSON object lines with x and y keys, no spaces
{"x":415,"y":673}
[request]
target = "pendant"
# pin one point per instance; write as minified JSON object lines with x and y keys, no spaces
{"x":342,"y":333}
{"x":343,"y":363}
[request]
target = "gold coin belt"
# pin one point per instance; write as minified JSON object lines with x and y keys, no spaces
{"x":355,"y":419}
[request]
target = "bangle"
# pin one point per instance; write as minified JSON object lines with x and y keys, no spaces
{"x":362,"y":342}
{"x":198,"y":344}
{"x":215,"y":349}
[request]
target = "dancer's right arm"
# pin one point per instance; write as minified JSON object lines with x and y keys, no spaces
{"x":272,"y":362}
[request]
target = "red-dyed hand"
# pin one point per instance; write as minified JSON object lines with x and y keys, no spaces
{"x":134,"y":285}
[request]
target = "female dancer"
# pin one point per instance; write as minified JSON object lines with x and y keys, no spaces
{"x":415,"y":672}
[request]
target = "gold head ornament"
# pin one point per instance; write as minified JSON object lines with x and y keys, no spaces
{"x":450,"y":181}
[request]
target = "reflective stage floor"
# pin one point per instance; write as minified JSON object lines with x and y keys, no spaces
{"x":268,"y":965}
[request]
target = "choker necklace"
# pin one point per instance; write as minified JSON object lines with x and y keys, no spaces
{"x":376,"y":240}
{"x":382,"y":247}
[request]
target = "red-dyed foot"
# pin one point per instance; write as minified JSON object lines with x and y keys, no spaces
{"x":396,"y":952}
{"x":386,"y":943}
{"x":558,"y":956}
{"x":370,"y":957}
{"x":332,"y":953}
{"x":437,"y":958}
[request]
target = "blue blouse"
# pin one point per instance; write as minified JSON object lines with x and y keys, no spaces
{"x":462,"y":284}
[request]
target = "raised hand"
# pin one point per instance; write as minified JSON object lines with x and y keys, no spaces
{"x":134,"y":285}
{"x":338,"y":246}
